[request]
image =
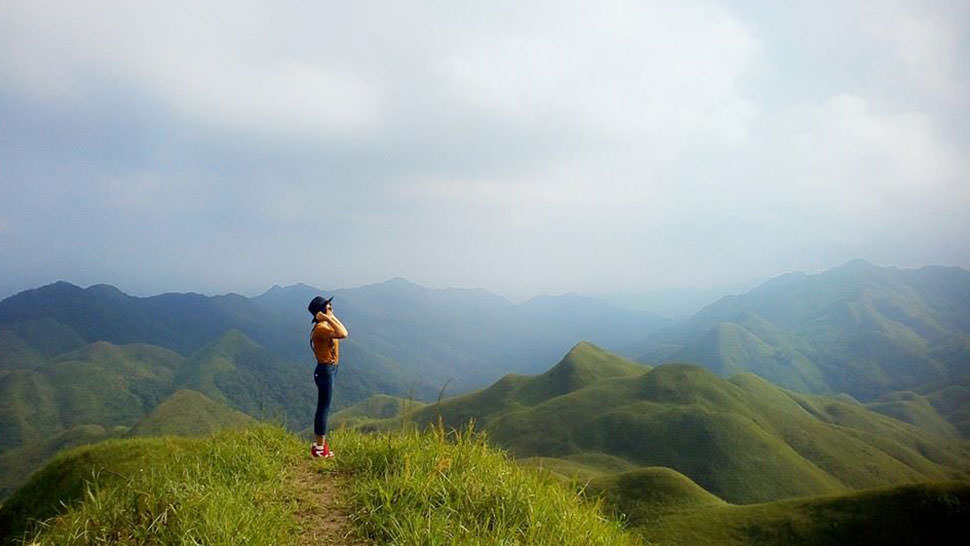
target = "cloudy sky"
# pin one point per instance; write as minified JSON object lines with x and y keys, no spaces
{"x":523,"y":147}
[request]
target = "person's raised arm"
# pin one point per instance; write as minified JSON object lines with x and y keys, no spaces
{"x":339,"y":330}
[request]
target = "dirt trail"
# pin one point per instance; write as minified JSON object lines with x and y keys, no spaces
{"x":322,"y":513}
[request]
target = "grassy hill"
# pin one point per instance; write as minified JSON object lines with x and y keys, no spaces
{"x":99,"y":384}
{"x":911,"y":515}
{"x":102,"y":390}
{"x":239,"y":487}
{"x":407,"y":487}
{"x":379,"y":406}
{"x":582,"y":366}
{"x":860,"y":329}
{"x":189,"y":413}
{"x":646,"y":492}
{"x":742,"y":439}
{"x":17,"y":464}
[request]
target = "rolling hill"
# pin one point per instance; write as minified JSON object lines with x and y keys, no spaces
{"x":379,"y":406}
{"x":96,"y":357}
{"x":665,"y":507}
{"x":189,"y":413}
{"x":103,"y":390}
{"x":742,"y":439}
{"x":859,"y":329}
{"x":253,"y":486}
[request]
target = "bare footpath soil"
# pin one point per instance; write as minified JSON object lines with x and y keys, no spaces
{"x":322,"y":511}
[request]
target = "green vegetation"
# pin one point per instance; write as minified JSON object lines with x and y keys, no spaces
{"x":742,"y":439}
{"x":452,"y":489}
{"x":916,"y":514}
{"x":584,"y":365}
{"x":234,"y":488}
{"x":646,"y":493}
{"x":859,"y":329}
{"x":17,"y":464}
{"x":224,"y":489}
{"x":379,"y":406}
{"x":189,"y":413}
{"x":102,"y":386}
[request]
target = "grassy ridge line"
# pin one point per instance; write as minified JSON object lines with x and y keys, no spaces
{"x":234,"y":488}
{"x":441,"y":488}
{"x":222,"y":489}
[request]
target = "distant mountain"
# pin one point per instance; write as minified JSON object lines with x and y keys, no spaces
{"x":742,"y":439}
{"x":674,"y":303}
{"x":73,"y":357}
{"x":417,"y":339}
{"x":465,"y":338}
{"x":859,"y":329}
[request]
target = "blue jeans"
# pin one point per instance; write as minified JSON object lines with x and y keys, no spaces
{"x":323,"y":376}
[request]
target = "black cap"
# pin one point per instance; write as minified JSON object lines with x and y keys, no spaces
{"x":318,"y":304}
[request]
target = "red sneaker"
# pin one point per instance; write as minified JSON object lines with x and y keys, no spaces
{"x":325,"y":451}
{"x":317,"y":451}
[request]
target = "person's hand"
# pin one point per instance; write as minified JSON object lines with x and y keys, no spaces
{"x":321,"y":316}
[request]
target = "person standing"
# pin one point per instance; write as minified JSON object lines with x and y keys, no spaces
{"x":325,"y":339}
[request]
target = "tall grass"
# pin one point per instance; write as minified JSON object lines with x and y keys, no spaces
{"x":234,"y":488}
{"x":449,"y":488}
{"x":223,"y":489}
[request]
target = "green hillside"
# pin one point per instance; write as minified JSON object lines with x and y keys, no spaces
{"x":910,"y":515}
{"x":160,"y":491}
{"x":17,"y":464}
{"x":379,"y":406}
{"x":742,"y":439}
{"x":647,"y":493}
{"x":60,"y":401}
{"x":99,"y":384}
{"x":860,"y":329}
{"x":584,"y":365}
{"x":189,"y":413}
{"x":253,"y":486}
{"x":39,"y":324}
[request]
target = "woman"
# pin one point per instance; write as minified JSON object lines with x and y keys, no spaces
{"x":327,"y":330}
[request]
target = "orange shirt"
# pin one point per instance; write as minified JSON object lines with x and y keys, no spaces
{"x":325,"y":346}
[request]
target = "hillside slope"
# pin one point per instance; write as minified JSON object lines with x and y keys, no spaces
{"x":102,"y":390}
{"x":908,"y":515}
{"x":189,"y":413}
{"x":742,"y":439}
{"x":860,"y":329}
{"x":243,"y":487}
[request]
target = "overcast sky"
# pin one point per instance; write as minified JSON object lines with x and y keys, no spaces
{"x":522,"y":147}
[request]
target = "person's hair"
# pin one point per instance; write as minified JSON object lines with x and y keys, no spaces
{"x":316,"y":305}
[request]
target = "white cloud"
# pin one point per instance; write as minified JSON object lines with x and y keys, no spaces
{"x":652,"y":140}
{"x":854,"y":157}
{"x":203,"y":61}
{"x":927,"y":46}
{"x":656,"y":68}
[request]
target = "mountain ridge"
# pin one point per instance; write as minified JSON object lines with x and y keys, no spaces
{"x":741,"y":438}
{"x":860,"y":329}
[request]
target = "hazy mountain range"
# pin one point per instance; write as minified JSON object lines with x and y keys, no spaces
{"x":82,"y":364}
{"x":859,"y":329}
